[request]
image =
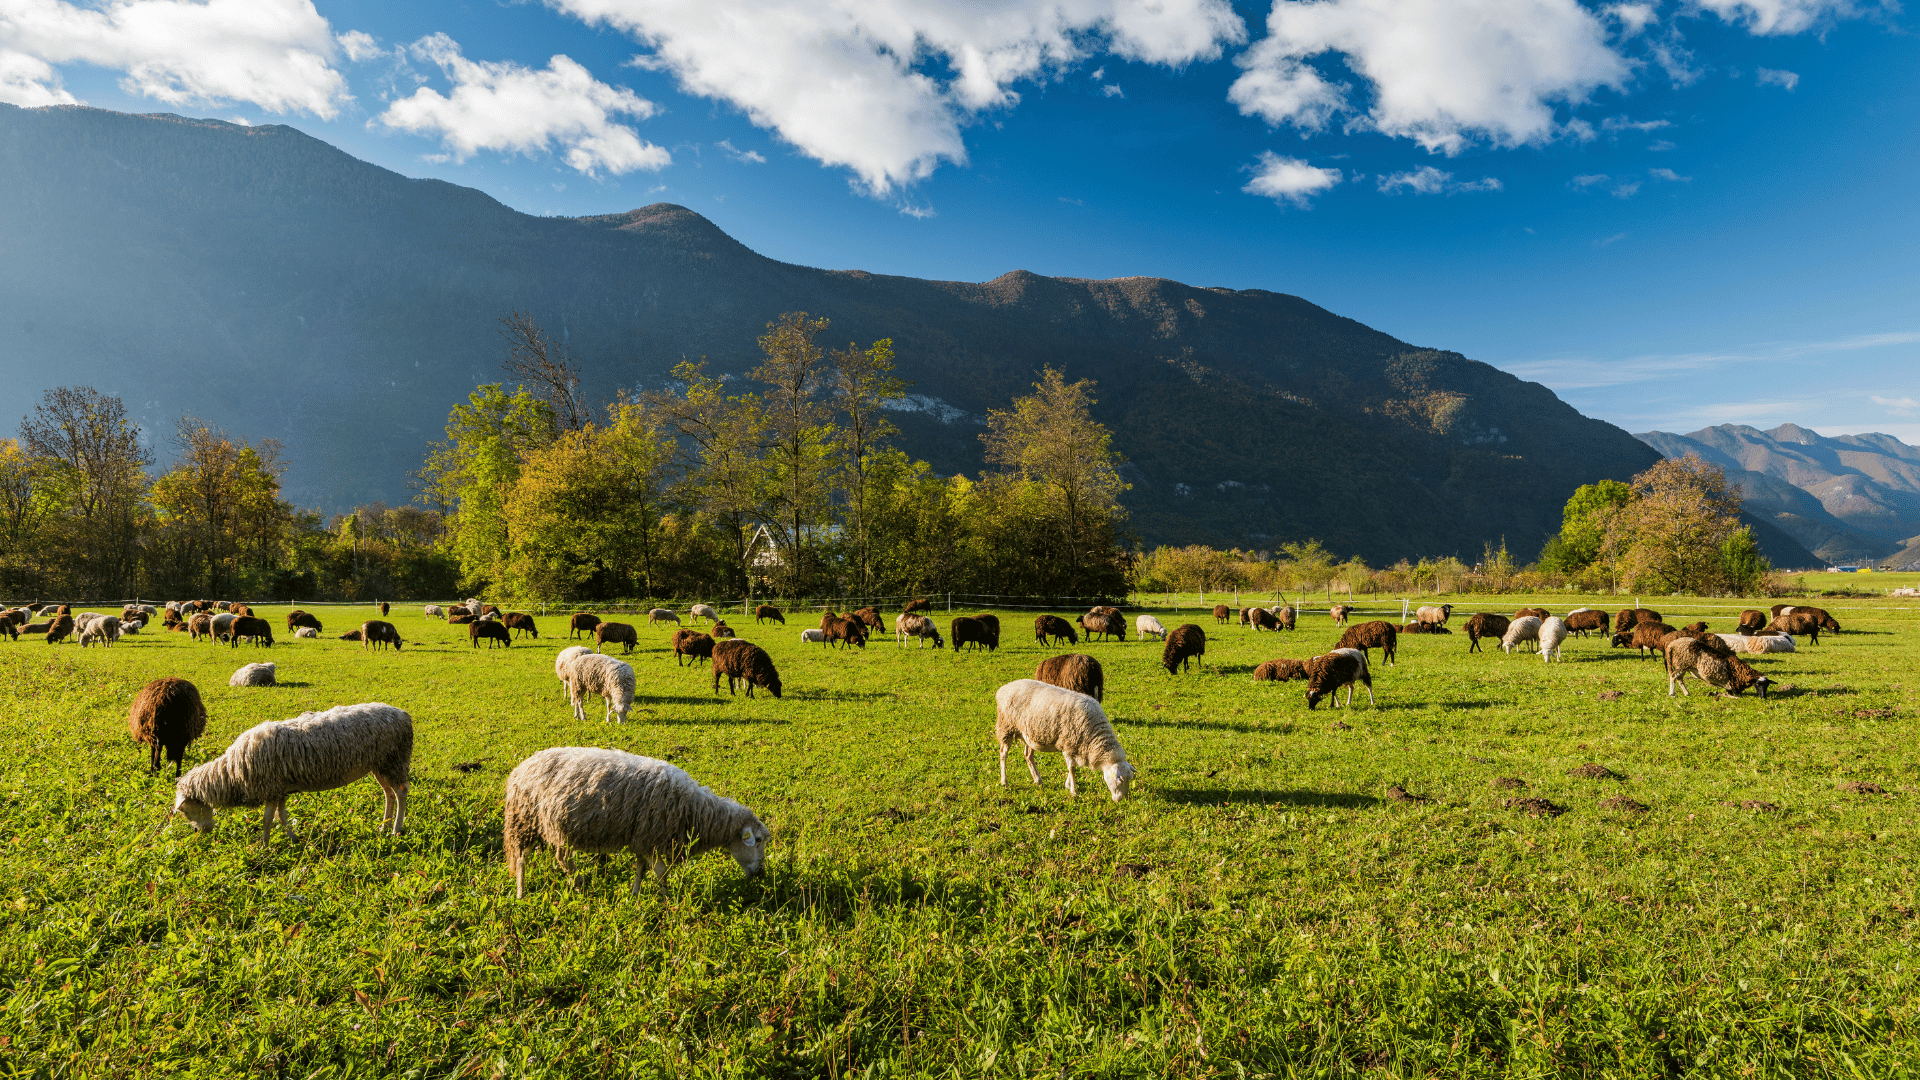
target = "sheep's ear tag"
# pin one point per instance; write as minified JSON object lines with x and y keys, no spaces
{"x":747,"y":835}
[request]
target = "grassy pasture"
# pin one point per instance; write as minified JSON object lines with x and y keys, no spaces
{"x":1259,"y":906}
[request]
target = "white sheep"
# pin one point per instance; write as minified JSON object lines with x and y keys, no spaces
{"x":311,"y":752}
{"x":434,"y":611}
{"x":579,"y":798}
{"x":702,"y":611}
{"x":305,"y":631}
{"x":223,"y":625}
{"x":132,"y":627}
{"x":1148,"y":626}
{"x":1552,"y":632}
{"x":1758,"y":643}
{"x":909,"y":625}
{"x":1437,"y":615}
{"x":660,"y":615}
{"x":104,"y":629}
{"x":602,"y":675}
{"x":1052,"y":719}
{"x":561,"y":661}
{"x":813,"y":637}
{"x":253,"y":675}
{"x":1524,"y":628}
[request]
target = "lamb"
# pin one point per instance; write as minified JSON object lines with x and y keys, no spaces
{"x":971,"y":631}
{"x":1377,"y":634}
{"x":311,"y":752}
{"x":103,"y":629}
{"x":813,"y":637}
{"x":582,"y":622}
{"x":1260,"y":618}
{"x":562,"y":659}
{"x":1648,"y":637}
{"x":1341,"y":667}
{"x":297,"y":618}
{"x":1751,"y":620}
{"x":1552,"y":633}
{"x":253,"y":675}
{"x":702,"y":611}
{"x":491,"y":631}
{"x":1048,"y":629}
{"x":1438,"y":616}
{"x":375,"y":633}
{"x":1149,"y":627}
{"x":1794,"y":623}
{"x":660,"y":615}
{"x":576,"y":798}
{"x":1280,"y":670}
{"x":746,"y":662}
{"x":1185,"y":642}
{"x":918,"y":627}
{"x":616,"y":633}
{"x":434,"y":611}
{"x":1221,"y":613}
{"x":767,"y":612}
{"x":1340,"y":613}
{"x":847,"y":631}
{"x":1106,"y":624}
{"x":1688,"y":656}
{"x":522,"y":622}
{"x":604,"y":676}
{"x":1581,"y":621}
{"x":1075,"y":671}
{"x":1623,"y":623}
{"x":721,"y":630}
{"x":690,"y":642}
{"x":258,"y":631}
{"x":306,"y":632}
{"x":1523,"y":629}
{"x":167,"y":715}
{"x":1052,"y":719}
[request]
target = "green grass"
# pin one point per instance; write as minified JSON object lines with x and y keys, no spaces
{"x":1258,"y":906}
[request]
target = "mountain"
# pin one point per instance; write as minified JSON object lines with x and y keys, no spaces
{"x":267,"y":281}
{"x":1849,"y":498}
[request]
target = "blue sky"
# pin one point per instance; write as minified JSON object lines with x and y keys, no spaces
{"x":1673,"y":214}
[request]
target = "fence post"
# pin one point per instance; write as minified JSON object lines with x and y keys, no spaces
{"x":949,"y":603}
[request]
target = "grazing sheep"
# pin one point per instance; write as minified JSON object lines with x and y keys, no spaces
{"x":1793,"y":623}
{"x":660,"y":615}
{"x":1485,"y":625}
{"x":1826,"y":621}
{"x":1424,"y":628}
{"x":1340,"y":613}
{"x":351,"y":635}
{"x":103,"y":629}
{"x":919,"y":627}
{"x":60,"y":628}
{"x":1536,"y":612}
{"x":871,"y":617}
{"x":1690,"y":656}
{"x":767,"y":612}
{"x":1552,"y":633}
{"x":1280,"y":670}
{"x":1149,"y":627}
{"x":253,"y":675}
{"x":490,"y":631}
{"x":702,"y":611}
{"x":1260,"y":619}
{"x":167,"y":715}
{"x":1341,"y":667}
{"x":1523,"y":629}
{"x":306,"y":632}
{"x":1247,"y":615}
{"x":315,"y":751}
{"x":434,"y":611}
{"x":616,"y":633}
{"x":562,"y":659}
{"x":582,"y":622}
{"x":603,"y":676}
{"x":1048,"y":629}
{"x":576,"y":798}
{"x":721,"y":630}
{"x":385,"y":609}
{"x":1221,"y":613}
{"x":223,"y":626}
{"x":459,"y":611}
{"x":921,"y":604}
{"x":297,"y":618}
{"x":967,"y":630}
{"x":462,"y":618}
{"x":813,"y":637}
{"x":1751,"y":620}
{"x":375,"y":633}
{"x":745,"y":662}
{"x":1438,"y":616}
{"x":132,"y":626}
{"x":223,"y":605}
{"x":846,"y":630}
{"x":690,"y":642}
{"x":258,"y":631}
{"x":1052,"y":719}
{"x":1648,"y":637}
{"x":1583,"y":621}
{"x":1285,"y":616}
{"x":1074,"y":671}
{"x":1623,"y":622}
{"x":1377,"y":634}
{"x":1106,"y":624}
{"x":522,"y":622}
{"x":1184,"y":642}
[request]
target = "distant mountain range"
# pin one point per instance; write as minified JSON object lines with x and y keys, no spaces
{"x":267,"y":281}
{"x":1851,"y":499}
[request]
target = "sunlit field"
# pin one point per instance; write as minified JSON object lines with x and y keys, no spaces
{"x":1337,"y":892}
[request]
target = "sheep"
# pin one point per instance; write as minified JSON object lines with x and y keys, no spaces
{"x":223,"y":626}
{"x":1106,"y":624}
{"x":847,"y":631}
{"x":522,"y":622}
{"x":459,"y":610}
{"x":385,"y":609}
{"x":1285,"y":616}
{"x":1645,"y":636}
{"x":1689,"y":656}
{"x":971,"y":631}
{"x":1552,"y":633}
{"x":1185,"y":642}
{"x":132,"y":626}
{"x":562,"y":659}
{"x":306,"y":632}
{"x":1340,"y":613}
{"x":615,"y":633}
{"x":813,"y":637}
{"x":104,"y":629}
{"x":36,"y":628}
{"x":223,"y":605}
{"x":375,"y":633}
{"x":1438,"y":616}
{"x":253,"y":675}
{"x":1582,"y":621}
{"x":746,"y":662}
{"x":1052,"y":719}
{"x":59,"y":629}
{"x":1796,"y":624}
{"x":1249,"y":615}
{"x":1221,"y":613}
{"x":1103,"y":609}
{"x":1536,"y":612}
{"x":702,"y":611}
{"x":352,"y":635}
{"x":991,"y":622}
{"x":315,"y":751}
{"x":1826,"y":621}
{"x":690,"y":642}
{"x":1711,"y":642}
{"x":1050,"y":628}
{"x":1523,"y":629}
{"x":1149,"y":627}
{"x":581,"y":622}
{"x":721,"y":630}
{"x":918,"y":627}
{"x":1751,"y":620}
{"x":297,"y":618}
{"x":434,"y":611}
{"x":1377,"y":634}
{"x":1623,"y":622}
{"x":604,"y":676}
{"x":462,"y":618}
{"x":1280,"y":670}
{"x":167,"y":714}
{"x":491,"y":631}
{"x":240,"y":611}
{"x":1758,"y":643}
{"x":1074,"y":671}
{"x":922,"y":604}
{"x":871,"y":617}
{"x":660,"y":615}
{"x":1260,"y":619}
{"x":1423,"y":628}
{"x":767,"y":612}
{"x":258,"y":631}
{"x":1341,"y":667}
{"x":576,"y":798}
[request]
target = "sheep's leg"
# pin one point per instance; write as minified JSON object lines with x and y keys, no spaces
{"x":1031,"y":767}
{"x":155,"y":767}
{"x":1072,"y":789}
{"x":519,"y":860}
{"x":659,"y":874}
{"x":1003,"y":763}
{"x":266,"y":822}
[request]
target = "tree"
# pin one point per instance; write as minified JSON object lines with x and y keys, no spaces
{"x":1585,"y":523}
{"x":1050,"y":438}
{"x":94,"y":468}
{"x":476,"y":466}
{"x":547,"y":366}
{"x":1312,"y":562}
{"x":722,"y":472}
{"x":220,"y":503}
{"x":862,"y":384}
{"x":1672,"y":531}
{"x":800,"y":450}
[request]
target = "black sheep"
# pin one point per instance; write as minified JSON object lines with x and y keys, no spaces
{"x":1185,"y":642}
{"x":167,"y":714}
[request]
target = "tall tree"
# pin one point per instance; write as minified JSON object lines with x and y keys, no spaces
{"x":549,"y":370}
{"x":1050,"y":438}
{"x":1672,"y":531}
{"x":96,"y":467}
{"x":861,"y":385}
{"x":488,"y":437}
{"x":721,"y":467}
{"x":799,"y":445}
{"x":220,"y":504}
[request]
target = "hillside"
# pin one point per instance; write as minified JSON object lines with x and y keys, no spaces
{"x":268,"y":281}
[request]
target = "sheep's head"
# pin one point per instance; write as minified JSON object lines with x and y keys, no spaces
{"x":197,"y":813}
{"x":1621,"y":639}
{"x":1119,"y":778}
{"x":749,"y":849}
{"x":938,"y":641}
{"x":773,"y":685}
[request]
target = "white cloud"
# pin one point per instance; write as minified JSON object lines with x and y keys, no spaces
{"x":30,"y":82}
{"x":276,"y":54}
{"x":1609,"y":241}
{"x":744,"y":157}
{"x":1444,"y":73}
{"x":1584,"y":182}
{"x":1632,"y":18}
{"x":1113,"y":90}
{"x":1621,"y":123}
{"x":1778,"y":16}
{"x":1626,"y":189}
{"x":1285,"y":179}
{"x":1900,"y":406}
{"x":1427,"y":180}
{"x":1660,"y":144}
{"x":1769,"y":77}
{"x":848,"y":82}
{"x":1586,"y":373}
{"x":504,"y":106}
{"x":360,"y":45}
{"x":1669,"y":174}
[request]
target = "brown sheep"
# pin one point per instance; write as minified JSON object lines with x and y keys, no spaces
{"x":922,"y":604}
{"x":1050,"y":628}
{"x":581,"y":622}
{"x":1074,"y":671}
{"x":1752,"y":621}
{"x":167,"y":714}
{"x":260,"y":631}
{"x":239,"y":609}
{"x":991,"y":622}
{"x":846,"y":630}
{"x":1696,"y":628}
{"x":1424,"y":628}
{"x":1184,"y":642}
{"x":297,"y":619}
{"x":462,"y":619}
{"x":745,"y":662}
{"x":1221,"y":613}
{"x":692,"y":643}
{"x":1709,"y":642}
{"x":1645,"y":636}
{"x":767,"y":612}
{"x":1280,"y":670}
{"x":351,"y":635}
{"x":1689,"y":656}
{"x":1286,"y":617}
{"x":1797,"y":624}
{"x":61,"y":628}
{"x":374,"y":633}
{"x":967,"y":630}
{"x":1372,"y":635}
{"x":1826,"y":621}
{"x":611,"y":633}
{"x":1340,"y":613}
{"x":486,"y":609}
{"x":491,"y":630}
{"x":871,"y":617}
{"x":1581,"y":622}
{"x":1486,"y":624}
{"x":1341,"y":667}
{"x":523,"y":622}
{"x":385,"y":609}
{"x":36,"y":628}
{"x":461,"y":609}
{"x":1623,"y":622}
{"x":1260,"y":619}
{"x":720,"y":629}
{"x":1537,"y":612}
{"x":1106,"y":624}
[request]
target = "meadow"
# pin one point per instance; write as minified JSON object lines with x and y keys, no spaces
{"x":1260,"y":905}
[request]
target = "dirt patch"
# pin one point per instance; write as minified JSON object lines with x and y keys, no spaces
{"x":1612,"y":695}
{"x":1036,"y":810}
{"x":1510,"y":783}
{"x":1132,"y":870}
{"x":891,"y":814}
{"x":1593,"y":771}
{"x":1535,"y":807}
{"x":1756,"y":806}
{"x":1876,"y":714}
{"x":466,"y":766}
{"x":1339,"y":725}
{"x":1481,"y":760}
{"x":1623,"y":805}
{"x":1400,"y":794}
{"x":1863,"y":787}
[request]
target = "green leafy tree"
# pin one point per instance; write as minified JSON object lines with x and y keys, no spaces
{"x":801,"y":452}
{"x":1049,"y":445}
{"x":719,"y":457}
{"x":861,"y":384}
{"x":1672,"y":531}
{"x":474,"y":469}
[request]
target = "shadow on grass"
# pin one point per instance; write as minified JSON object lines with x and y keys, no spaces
{"x":1200,"y":725}
{"x":1262,"y":797}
